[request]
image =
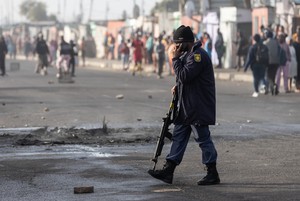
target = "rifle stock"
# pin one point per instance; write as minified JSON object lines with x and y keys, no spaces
{"x":164,"y":132}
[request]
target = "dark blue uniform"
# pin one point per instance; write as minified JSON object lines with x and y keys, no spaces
{"x":196,"y":104}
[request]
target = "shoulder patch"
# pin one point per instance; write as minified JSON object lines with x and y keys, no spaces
{"x":197,"y":57}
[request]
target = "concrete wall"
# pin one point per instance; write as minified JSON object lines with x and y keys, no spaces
{"x":230,"y":18}
{"x":262,"y":16}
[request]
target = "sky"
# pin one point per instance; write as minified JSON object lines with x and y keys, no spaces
{"x":9,"y":9}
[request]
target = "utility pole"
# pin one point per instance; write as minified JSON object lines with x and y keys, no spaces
{"x":106,"y":11}
{"x":91,"y":7}
{"x":181,"y":4}
{"x":143,"y":15}
{"x":64,"y":10}
{"x":143,"y":11}
{"x":81,"y":11}
{"x":12,"y":11}
{"x":8,"y":15}
{"x":1,"y":21}
{"x":58,"y":9}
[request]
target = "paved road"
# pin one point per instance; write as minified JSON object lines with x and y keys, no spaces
{"x":257,"y":140}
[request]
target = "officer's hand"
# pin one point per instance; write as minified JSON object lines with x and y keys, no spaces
{"x":173,"y":90}
{"x":177,"y":50}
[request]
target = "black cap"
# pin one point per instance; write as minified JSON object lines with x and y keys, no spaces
{"x":183,"y":34}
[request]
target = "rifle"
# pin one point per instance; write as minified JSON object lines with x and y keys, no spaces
{"x":164,"y":132}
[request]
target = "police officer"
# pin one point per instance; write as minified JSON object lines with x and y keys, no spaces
{"x":195,"y":86}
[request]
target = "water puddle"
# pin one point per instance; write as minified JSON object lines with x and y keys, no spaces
{"x":42,"y":152}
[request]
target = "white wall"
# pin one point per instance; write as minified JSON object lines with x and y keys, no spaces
{"x":211,"y":23}
{"x":229,"y":18}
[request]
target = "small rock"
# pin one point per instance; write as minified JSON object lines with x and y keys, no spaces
{"x":249,"y":121}
{"x":120,"y":96}
{"x":43,"y":118}
{"x":86,"y":189}
{"x":3,"y":104}
{"x":50,"y":82}
{"x":46,"y":109}
{"x":139,"y":119}
{"x":150,"y":97}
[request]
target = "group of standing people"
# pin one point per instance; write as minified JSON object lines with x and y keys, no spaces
{"x":145,"y":49}
{"x":62,"y":55}
{"x":67,"y":56}
{"x":7,"y":46}
{"x":272,"y":56}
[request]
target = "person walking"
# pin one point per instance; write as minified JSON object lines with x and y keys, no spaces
{"x":257,"y":59}
{"x":3,"y":52}
{"x":242,"y":49}
{"x":64,"y":57}
{"x":208,"y":44}
{"x":220,"y":49}
{"x":83,"y":50}
{"x":111,"y":46}
{"x":292,"y":72}
{"x":125,"y":52}
{"x":149,"y":48}
{"x":120,"y":39}
{"x":160,"y":51}
{"x":273,"y":47}
{"x":196,"y":107}
{"x":73,"y":57}
{"x":296,"y":45}
{"x":284,"y":68}
{"x":138,"y":46}
{"x":53,"y":51}
{"x":27,"y":47}
{"x":43,"y":51}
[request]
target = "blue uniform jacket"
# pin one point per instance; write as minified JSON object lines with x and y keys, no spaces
{"x":195,"y":88}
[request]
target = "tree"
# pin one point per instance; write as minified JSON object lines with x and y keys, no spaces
{"x":33,"y":10}
{"x":52,"y":17}
{"x":167,"y":5}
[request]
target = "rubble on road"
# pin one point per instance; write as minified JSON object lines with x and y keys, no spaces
{"x":60,"y":136}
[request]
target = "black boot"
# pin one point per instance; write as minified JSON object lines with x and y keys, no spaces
{"x":166,"y":174}
{"x":276,"y":90}
{"x":212,"y":176}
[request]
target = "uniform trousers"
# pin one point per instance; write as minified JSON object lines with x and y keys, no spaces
{"x":180,"y":139}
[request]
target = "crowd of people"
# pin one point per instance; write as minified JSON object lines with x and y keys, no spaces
{"x":60,"y":54}
{"x":142,"y":48}
{"x":66,"y":60}
{"x":139,"y":49}
{"x":274,"y":55}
